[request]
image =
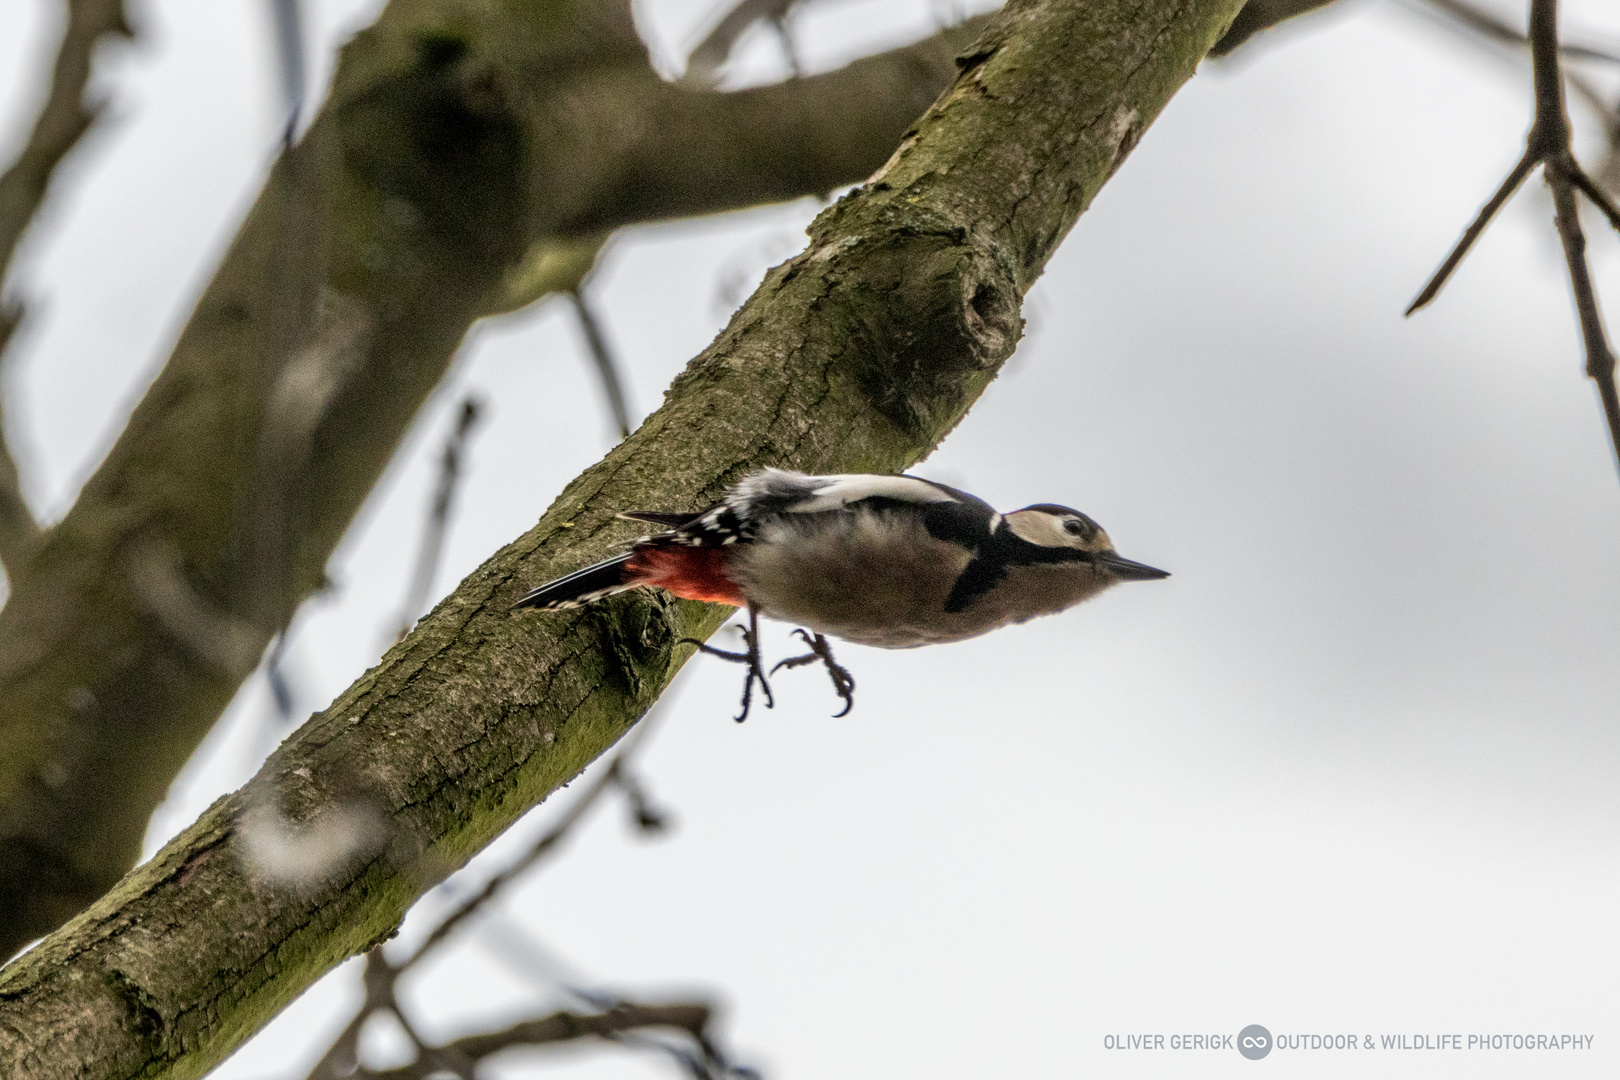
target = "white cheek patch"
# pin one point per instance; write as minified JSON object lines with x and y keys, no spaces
{"x":1038,"y":528}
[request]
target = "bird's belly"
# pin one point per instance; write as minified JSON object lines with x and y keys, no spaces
{"x":871,"y":579}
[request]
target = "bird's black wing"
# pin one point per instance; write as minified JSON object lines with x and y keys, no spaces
{"x":948,"y":514}
{"x":970,"y":524}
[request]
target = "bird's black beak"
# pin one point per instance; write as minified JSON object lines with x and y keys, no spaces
{"x":1126,"y":570}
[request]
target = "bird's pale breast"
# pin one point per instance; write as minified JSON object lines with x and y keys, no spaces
{"x":879,"y":578}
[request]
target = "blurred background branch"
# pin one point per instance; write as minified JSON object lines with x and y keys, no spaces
{"x":607,"y":366}
{"x":710,"y":55}
{"x":62,"y":122}
{"x":1549,"y":147}
{"x":1258,"y":15}
{"x":612,"y":1016}
{"x":1479,"y":23}
{"x":1486,"y":25}
{"x":19,"y":531}
{"x":437,"y":524}
{"x":287,"y":17}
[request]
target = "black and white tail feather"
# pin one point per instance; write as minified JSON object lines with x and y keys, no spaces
{"x":581,"y":587}
{"x":606,"y":578}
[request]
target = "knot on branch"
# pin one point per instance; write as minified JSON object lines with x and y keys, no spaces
{"x":139,"y":1007}
{"x":636,"y":638}
{"x":929,"y":318}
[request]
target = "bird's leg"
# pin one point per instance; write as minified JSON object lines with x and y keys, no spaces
{"x":843,"y":682}
{"x":756,"y":669}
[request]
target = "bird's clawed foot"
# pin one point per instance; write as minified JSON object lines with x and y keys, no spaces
{"x":750,"y":657}
{"x":843,"y":682}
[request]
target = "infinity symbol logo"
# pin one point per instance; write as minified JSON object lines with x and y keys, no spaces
{"x":1254,"y":1042}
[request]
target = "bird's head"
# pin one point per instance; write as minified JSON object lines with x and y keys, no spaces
{"x":1064,"y":535}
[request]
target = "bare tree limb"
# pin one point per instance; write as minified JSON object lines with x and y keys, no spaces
{"x":764,"y":144}
{"x":20,"y":532}
{"x":1476,"y":228}
{"x":438,"y":517}
{"x":693,"y":1019}
{"x":452,"y":173}
{"x":858,"y":354}
{"x":1599,"y":357}
{"x":607,"y":368}
{"x":1258,"y":15}
{"x":1600,"y":198}
{"x":62,"y":121}
{"x":287,"y":19}
{"x":1486,"y":24}
{"x":1548,"y":145}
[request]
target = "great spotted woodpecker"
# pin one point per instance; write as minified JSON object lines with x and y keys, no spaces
{"x":891,"y":561}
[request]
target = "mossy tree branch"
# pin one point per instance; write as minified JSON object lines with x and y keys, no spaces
{"x":858,"y":354}
{"x":472,"y":158}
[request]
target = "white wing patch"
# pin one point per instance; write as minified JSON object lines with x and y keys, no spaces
{"x":841,"y":490}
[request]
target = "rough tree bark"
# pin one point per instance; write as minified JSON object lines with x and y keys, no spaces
{"x":858,"y":354}
{"x":471,"y":158}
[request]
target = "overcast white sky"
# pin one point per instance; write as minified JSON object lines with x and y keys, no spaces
{"x":1351,"y":770}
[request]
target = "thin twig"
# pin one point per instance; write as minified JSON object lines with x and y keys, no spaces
{"x":785,"y":38}
{"x":438,"y":519}
{"x":275,"y":676}
{"x":1599,"y":197}
{"x":607,"y":368}
{"x":20,"y":533}
{"x":1488,"y":25}
{"x":1548,"y":145}
{"x":1599,"y":357}
{"x":1259,"y":15}
{"x":288,"y":18}
{"x":1526,"y":164}
{"x":513,"y":946}
{"x":691,"y":1018}
{"x":343,"y":1055}
{"x":710,"y":55}
{"x":60,"y":125}
{"x":615,"y":1016}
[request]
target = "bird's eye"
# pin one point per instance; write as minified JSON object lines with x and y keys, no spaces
{"x":1073,"y":527}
